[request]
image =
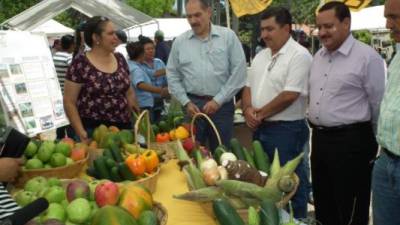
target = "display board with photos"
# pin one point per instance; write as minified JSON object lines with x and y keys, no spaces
{"x":30,"y":93}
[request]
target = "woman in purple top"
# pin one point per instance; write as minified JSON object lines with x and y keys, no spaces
{"x":97,"y":86}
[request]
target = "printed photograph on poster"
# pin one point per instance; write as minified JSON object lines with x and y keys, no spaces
{"x":30,"y":123}
{"x":33,"y":71}
{"x":20,"y":88}
{"x":26,"y":109}
{"x":15,"y":69}
{"x":46,"y":122}
{"x":58,"y":109}
{"x":4,"y":72}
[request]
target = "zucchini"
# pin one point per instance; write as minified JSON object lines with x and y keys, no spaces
{"x":237,"y":149}
{"x":269,"y":214}
{"x":110,"y":163}
{"x":125,"y":173}
{"x":248,"y":157}
{"x":225,"y":213}
{"x":116,"y":153}
{"x":260,"y":157}
{"x":218,"y":152}
{"x":115,"y":174}
{"x":101,"y":168}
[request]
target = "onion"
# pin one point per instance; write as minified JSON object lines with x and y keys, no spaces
{"x":208,"y":164}
{"x":211,"y":176}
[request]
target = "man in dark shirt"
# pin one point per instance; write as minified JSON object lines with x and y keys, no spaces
{"x":162,"y":49}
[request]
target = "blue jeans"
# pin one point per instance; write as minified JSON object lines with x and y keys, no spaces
{"x":289,"y":138}
{"x":223,"y":120}
{"x":386,"y":191}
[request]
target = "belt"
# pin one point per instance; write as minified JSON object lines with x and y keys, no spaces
{"x":390,"y":154}
{"x":340,"y":127}
{"x":202,"y":97}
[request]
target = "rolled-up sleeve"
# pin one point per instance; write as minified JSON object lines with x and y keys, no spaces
{"x":237,"y":71}
{"x":174,"y":76}
{"x":374,"y":84}
{"x":298,"y":74}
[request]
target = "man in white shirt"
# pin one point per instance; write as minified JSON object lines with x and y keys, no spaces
{"x":274,"y":99}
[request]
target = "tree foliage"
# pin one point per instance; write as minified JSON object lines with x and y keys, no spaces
{"x":153,"y":8}
{"x":10,"y":8}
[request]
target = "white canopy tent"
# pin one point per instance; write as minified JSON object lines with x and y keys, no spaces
{"x":122,"y":15}
{"x":53,"y":28}
{"x":172,"y":27}
{"x":370,"y":18}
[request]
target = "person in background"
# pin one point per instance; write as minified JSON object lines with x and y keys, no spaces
{"x":9,"y":169}
{"x":140,"y":80}
{"x":155,"y":69}
{"x":62,"y":59}
{"x":386,"y":172}
{"x":275,"y":98}
{"x":347,"y":82}
{"x":97,"y":87}
{"x":80,"y":46}
{"x":162,"y":48}
{"x":205,"y":70}
{"x":56,"y":46}
{"x":123,"y":39}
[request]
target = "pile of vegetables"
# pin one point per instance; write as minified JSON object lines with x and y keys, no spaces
{"x":241,"y":182}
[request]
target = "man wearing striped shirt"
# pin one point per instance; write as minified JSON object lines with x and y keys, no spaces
{"x":63,"y":58}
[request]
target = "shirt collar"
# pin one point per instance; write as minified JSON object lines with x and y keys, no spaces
{"x":213,"y":32}
{"x":284,"y":48}
{"x":344,"y":49}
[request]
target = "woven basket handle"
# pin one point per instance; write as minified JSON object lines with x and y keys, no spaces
{"x":144,"y":114}
{"x":197,"y":115}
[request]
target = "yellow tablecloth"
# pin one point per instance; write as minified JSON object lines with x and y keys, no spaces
{"x":172,"y":181}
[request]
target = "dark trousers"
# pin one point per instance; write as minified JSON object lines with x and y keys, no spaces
{"x":341,"y":165}
{"x":223,"y":120}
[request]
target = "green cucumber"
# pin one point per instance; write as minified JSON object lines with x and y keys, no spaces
{"x":248,"y":157}
{"x":269,"y":213}
{"x":116,"y":153}
{"x":237,"y":149}
{"x":260,"y":157}
{"x":125,"y":173}
{"x":225,"y":213}
{"x":101,"y":168}
{"x":107,"y":153}
{"x":218,"y":152}
{"x":115,"y":174}
{"x":110,"y":163}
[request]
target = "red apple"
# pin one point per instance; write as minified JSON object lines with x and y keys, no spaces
{"x":106,"y":193}
{"x":77,"y":189}
{"x":69,"y":141}
{"x":188,"y":145}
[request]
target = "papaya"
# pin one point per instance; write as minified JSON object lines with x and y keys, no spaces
{"x":109,"y":139}
{"x":148,"y":217}
{"x":126,"y":136}
{"x":99,"y":133}
{"x":135,"y":199}
{"x":112,"y":215}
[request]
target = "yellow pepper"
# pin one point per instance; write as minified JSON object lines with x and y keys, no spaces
{"x":172,"y":135}
{"x":181,"y":133}
{"x":151,"y":160}
{"x":136,"y":164}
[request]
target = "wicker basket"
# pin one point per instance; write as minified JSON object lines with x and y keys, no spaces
{"x":243,"y":213}
{"x":150,"y":182}
{"x":64,"y":172}
{"x":161,"y":213}
{"x":166,"y":149}
{"x":198,"y":115}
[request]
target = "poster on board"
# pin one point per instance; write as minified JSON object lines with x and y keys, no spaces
{"x":30,"y":94}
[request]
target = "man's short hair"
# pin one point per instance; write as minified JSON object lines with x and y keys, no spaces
{"x":121,"y":36}
{"x":342,"y":11}
{"x":67,"y":41}
{"x":282,"y":15}
{"x":204,"y":3}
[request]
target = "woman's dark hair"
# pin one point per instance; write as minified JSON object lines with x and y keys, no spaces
{"x":341,"y":10}
{"x":145,"y":40}
{"x":94,"y":25}
{"x":78,"y":39}
{"x":134,"y":49}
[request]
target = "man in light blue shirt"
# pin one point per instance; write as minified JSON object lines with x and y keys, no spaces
{"x":206,"y":68}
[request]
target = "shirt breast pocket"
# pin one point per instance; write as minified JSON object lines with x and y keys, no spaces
{"x":219,"y":60}
{"x":184,"y":59}
{"x":344,"y":82}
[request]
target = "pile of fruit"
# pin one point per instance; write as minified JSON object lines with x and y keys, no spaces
{"x":50,"y":154}
{"x":95,"y":202}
